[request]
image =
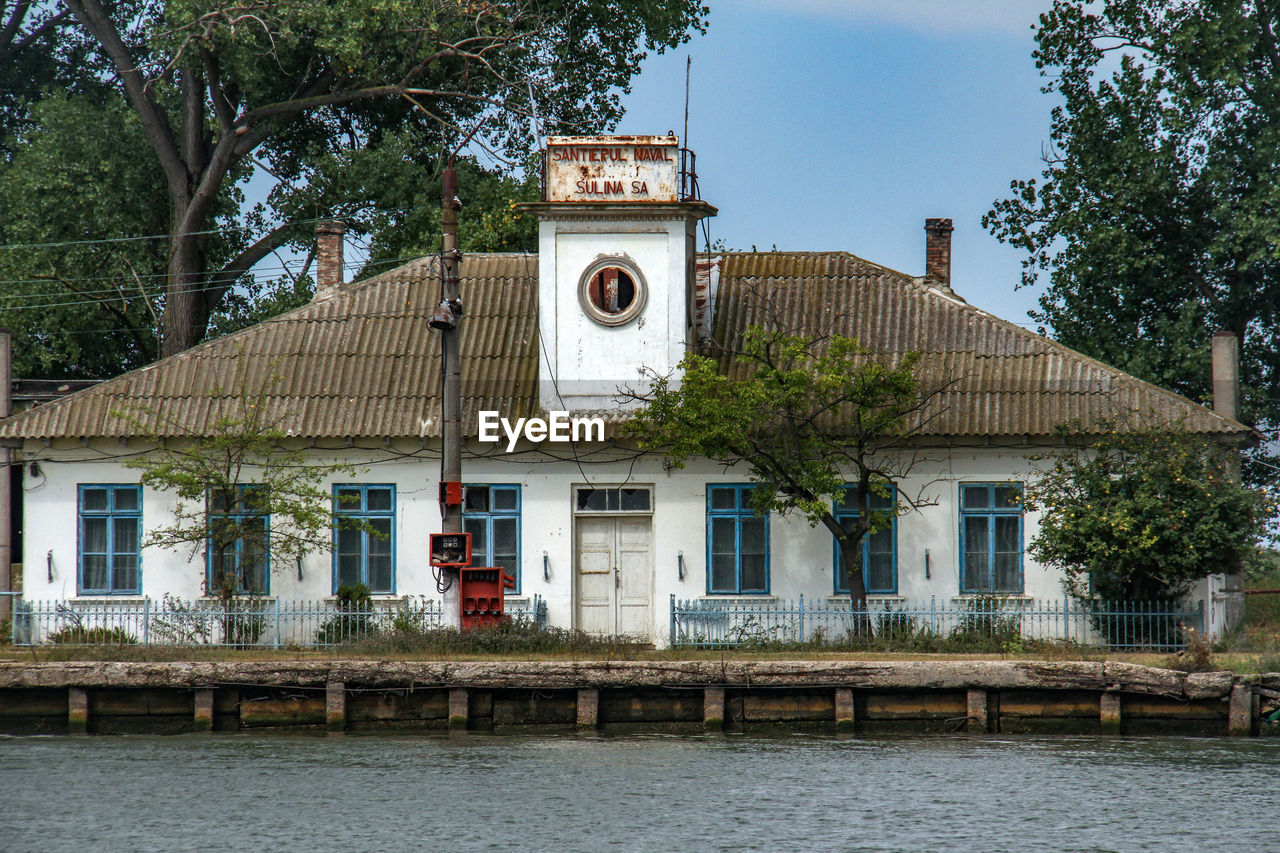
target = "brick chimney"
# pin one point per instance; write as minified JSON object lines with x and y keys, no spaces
{"x":329,"y":271}
{"x":937,"y":254}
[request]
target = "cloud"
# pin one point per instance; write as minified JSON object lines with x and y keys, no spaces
{"x":938,"y":17}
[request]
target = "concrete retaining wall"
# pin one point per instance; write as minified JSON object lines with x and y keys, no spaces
{"x":738,"y":696}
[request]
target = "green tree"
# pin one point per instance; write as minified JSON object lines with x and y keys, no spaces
{"x":288,"y":87}
{"x":83,"y":305}
{"x":1157,"y":215}
{"x":248,"y":499}
{"x":1136,"y":516}
{"x":34,"y":55}
{"x":812,"y":419}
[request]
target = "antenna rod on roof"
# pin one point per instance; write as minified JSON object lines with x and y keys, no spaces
{"x":688,"y":64}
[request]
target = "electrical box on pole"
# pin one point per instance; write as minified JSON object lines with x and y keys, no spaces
{"x":450,"y":550}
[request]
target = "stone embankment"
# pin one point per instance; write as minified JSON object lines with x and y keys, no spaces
{"x":868,"y":697}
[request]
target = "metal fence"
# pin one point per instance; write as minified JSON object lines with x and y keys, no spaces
{"x":243,"y":623}
{"x":726,"y":623}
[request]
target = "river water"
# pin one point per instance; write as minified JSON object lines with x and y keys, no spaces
{"x":354,"y":793}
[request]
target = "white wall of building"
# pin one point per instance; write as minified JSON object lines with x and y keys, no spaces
{"x":584,"y":363}
{"x":801,"y":557}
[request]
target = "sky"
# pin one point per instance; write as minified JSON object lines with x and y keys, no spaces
{"x":844,"y":124}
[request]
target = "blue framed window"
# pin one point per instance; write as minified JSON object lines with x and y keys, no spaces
{"x":364,"y":548}
{"x":238,"y":552}
{"x":991,"y":538}
{"x":737,"y":542}
{"x":110,"y":537}
{"x":491,"y":514}
{"x":879,"y":548}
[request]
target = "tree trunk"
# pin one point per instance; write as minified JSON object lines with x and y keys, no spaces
{"x":186,"y":310}
{"x":851,"y":568}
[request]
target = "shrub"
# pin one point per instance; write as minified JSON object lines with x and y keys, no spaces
{"x":1196,"y":654}
{"x":354,"y":619}
{"x":987,"y":618}
{"x":1143,"y":515}
{"x":78,"y":635}
{"x":512,"y":637}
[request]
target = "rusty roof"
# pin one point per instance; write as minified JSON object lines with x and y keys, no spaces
{"x":998,"y":379}
{"x":363,"y":362}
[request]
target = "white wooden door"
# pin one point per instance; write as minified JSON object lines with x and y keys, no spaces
{"x":615,"y":576}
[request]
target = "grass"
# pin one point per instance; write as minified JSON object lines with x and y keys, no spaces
{"x":1256,"y":646}
{"x":561,"y":645}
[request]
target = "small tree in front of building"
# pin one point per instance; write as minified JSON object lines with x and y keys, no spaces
{"x":248,"y":498}
{"x":815,"y":421}
{"x":1143,"y":515}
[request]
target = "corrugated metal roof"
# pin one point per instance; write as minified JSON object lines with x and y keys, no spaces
{"x":364,"y":362}
{"x":998,"y":378}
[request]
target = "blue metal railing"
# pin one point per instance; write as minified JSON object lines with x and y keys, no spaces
{"x":726,"y":623}
{"x":242,"y":623}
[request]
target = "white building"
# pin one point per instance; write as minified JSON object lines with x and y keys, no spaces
{"x":604,"y":535}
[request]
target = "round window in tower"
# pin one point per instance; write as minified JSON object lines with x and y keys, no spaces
{"x":612,"y":291}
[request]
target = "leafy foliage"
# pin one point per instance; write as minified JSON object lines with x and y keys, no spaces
{"x":806,"y":416}
{"x":81,"y":307}
{"x":354,"y":619}
{"x":1143,"y":515}
{"x":79,"y":635}
{"x":1157,"y":216}
{"x":331,"y":105}
{"x":511,"y":637}
{"x":35,"y":54}
{"x":240,"y":484}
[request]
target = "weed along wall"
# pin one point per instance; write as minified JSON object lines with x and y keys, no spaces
{"x":864,"y":697}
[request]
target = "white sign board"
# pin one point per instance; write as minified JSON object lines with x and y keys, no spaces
{"x":613,"y":169}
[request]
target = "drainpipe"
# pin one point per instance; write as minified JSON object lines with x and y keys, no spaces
{"x":1225,"y":357}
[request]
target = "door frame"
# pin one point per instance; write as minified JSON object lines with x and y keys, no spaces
{"x":606,"y":513}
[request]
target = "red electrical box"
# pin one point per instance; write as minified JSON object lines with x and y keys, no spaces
{"x":450,"y":550}
{"x":480,"y":595}
{"x":450,"y":493}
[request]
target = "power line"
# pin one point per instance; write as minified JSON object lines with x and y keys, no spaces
{"x":101,"y":240}
{"x":69,"y":303}
{"x":225,"y":230}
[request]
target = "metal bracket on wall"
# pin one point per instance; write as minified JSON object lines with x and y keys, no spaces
{"x":680,"y":564}
{"x":546,"y":567}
